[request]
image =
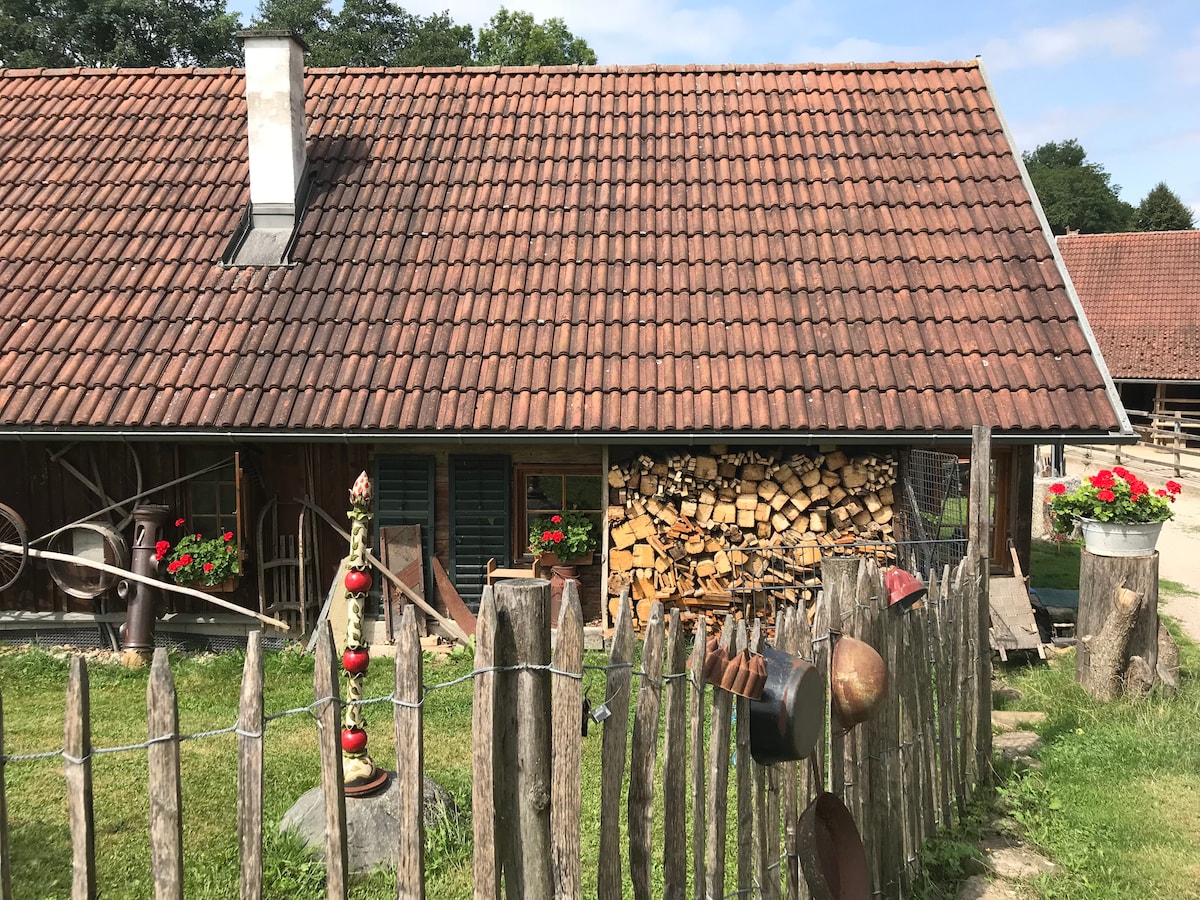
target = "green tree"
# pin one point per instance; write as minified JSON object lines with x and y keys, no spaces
{"x":515,"y":39}
{"x":1162,"y":210}
{"x":1076,"y":194}
{"x":370,"y":33}
{"x":117,"y":33}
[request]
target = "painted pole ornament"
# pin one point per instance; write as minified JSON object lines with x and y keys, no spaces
{"x":361,"y":776}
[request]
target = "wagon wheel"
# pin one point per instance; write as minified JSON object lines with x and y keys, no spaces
{"x":113,"y":478}
{"x":13,"y":535}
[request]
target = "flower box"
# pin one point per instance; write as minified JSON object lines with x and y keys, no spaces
{"x":550,"y":559}
{"x":1113,"y":539}
{"x":227,"y":586}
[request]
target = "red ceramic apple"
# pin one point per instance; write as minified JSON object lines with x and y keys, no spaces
{"x":355,"y":660}
{"x":357,"y":581}
{"x":354,"y":740}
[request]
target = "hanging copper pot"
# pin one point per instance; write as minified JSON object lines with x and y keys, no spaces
{"x":831,"y":851}
{"x":858,"y":681}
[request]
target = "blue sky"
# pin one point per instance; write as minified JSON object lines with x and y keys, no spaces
{"x":1121,"y":78}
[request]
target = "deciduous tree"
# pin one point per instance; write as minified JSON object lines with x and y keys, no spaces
{"x":514,"y":38}
{"x":1075,"y":194}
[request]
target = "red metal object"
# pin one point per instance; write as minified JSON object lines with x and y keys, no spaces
{"x":903,"y":589}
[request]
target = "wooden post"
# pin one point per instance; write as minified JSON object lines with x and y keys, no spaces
{"x":166,"y":804}
{"x":612,"y":753}
{"x":522,"y":613}
{"x":643,"y":752}
{"x":250,"y":770}
{"x":410,"y":759}
{"x":1100,"y":580}
{"x":484,"y":753}
{"x":566,"y":784}
{"x":980,"y":657}
{"x":77,"y":766}
{"x":329,"y":737}
{"x":718,"y":776}
{"x":675,"y":770}
{"x":745,"y":800}
{"x":5,"y":868}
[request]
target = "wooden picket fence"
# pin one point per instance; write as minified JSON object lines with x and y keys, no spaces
{"x":904,"y":774}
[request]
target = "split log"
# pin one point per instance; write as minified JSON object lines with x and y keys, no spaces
{"x":1107,"y":649}
{"x":1101,"y":581}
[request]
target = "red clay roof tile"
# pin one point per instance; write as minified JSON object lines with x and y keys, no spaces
{"x":1141,"y":293}
{"x":806,"y":249}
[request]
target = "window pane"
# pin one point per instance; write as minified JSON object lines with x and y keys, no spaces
{"x":203,"y":501}
{"x":544,"y":492}
{"x":582,"y":492}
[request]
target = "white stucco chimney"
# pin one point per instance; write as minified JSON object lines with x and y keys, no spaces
{"x":275,"y":121}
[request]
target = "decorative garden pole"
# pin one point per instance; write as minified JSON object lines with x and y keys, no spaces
{"x":360,"y":774}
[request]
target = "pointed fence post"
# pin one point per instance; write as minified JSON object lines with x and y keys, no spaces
{"x":328,"y":704}
{"x":250,"y":770}
{"x":410,"y":759}
{"x":981,"y":660}
{"x":77,"y":765}
{"x":643,"y":750}
{"x":483,"y":752}
{"x":166,"y":803}
{"x":5,"y":869}
{"x":566,"y":786}
{"x":612,"y":753}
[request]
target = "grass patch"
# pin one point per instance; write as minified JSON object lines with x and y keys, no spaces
{"x":1055,"y":564}
{"x":1117,"y":800}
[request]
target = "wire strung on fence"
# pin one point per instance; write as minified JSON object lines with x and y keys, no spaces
{"x":311,"y":709}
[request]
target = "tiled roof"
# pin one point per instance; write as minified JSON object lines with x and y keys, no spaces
{"x":1141,"y":294}
{"x":821,"y":249}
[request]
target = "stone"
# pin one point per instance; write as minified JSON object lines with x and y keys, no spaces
{"x":1002,"y":692}
{"x":979,"y":887}
{"x":1019,"y":862}
{"x":1006,"y":720}
{"x":1016,"y":745}
{"x":371,"y":822}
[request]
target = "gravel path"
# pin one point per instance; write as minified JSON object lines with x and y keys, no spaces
{"x":1179,"y":543}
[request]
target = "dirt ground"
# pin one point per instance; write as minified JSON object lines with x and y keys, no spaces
{"x":1179,"y":543}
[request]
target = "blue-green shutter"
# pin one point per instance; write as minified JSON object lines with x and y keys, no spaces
{"x":479,"y":520}
{"x":404,"y":496}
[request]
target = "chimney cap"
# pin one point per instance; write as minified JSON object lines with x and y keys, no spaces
{"x":250,"y":33}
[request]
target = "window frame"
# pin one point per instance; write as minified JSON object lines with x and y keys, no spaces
{"x":520,"y":512}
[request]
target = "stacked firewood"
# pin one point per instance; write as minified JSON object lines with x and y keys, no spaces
{"x":709,"y":532}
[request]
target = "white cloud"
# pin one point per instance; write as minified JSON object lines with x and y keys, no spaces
{"x":1125,"y":34}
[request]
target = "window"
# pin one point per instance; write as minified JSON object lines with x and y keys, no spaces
{"x":544,"y":491}
{"x":211,"y":499}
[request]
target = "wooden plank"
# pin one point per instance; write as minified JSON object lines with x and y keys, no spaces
{"x":77,"y":767}
{"x":643,"y":750}
{"x":451,"y":600}
{"x":981,"y":659}
{"x":925,"y":716}
{"x":910,"y":807}
{"x":674,"y":765}
{"x":863,"y":621}
{"x":326,"y":691}
{"x":612,"y":753}
{"x":787,"y":639}
{"x":959,"y":681}
{"x":410,"y":756}
{"x":5,"y":865}
{"x":840,"y":577}
{"x":250,"y":770}
{"x":765,"y":874}
{"x":935,"y":603}
{"x":718,"y":777}
{"x":483,"y":749}
{"x":566,"y":777}
{"x":403,"y":554}
{"x":892,"y":830}
{"x":697,"y":760}
{"x":166,"y":802}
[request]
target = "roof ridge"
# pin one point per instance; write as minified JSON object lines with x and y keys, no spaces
{"x":652,"y":68}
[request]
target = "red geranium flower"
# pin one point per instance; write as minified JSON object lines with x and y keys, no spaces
{"x":173,"y":567}
{"x":1174,"y":487}
{"x":208,"y":567}
{"x":1122,"y":472}
{"x":558,"y":535}
{"x":1106,"y":495}
{"x":186,"y":559}
{"x":228,"y":535}
{"x":1102,"y":479}
{"x":1160,"y":493}
{"x":556,"y":519}
{"x":1058,"y":488}
{"x":179,"y":522}
{"x":547,"y":535}
{"x":160,"y":549}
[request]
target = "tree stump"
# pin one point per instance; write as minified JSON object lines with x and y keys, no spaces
{"x":1113,"y":625}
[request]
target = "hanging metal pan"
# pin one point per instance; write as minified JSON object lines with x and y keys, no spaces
{"x":787,"y":719}
{"x":831,"y":851}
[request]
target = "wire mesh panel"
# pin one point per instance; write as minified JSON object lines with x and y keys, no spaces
{"x":931,"y":510}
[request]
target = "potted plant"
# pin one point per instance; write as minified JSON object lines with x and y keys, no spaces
{"x":205,"y":563}
{"x":1118,"y":513}
{"x":567,"y":538}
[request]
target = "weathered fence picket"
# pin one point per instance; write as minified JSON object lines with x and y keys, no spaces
{"x":410,"y":748}
{"x":250,"y":771}
{"x":565,"y":787}
{"x":329,"y":733}
{"x":903,"y":774}
{"x":77,"y":766}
